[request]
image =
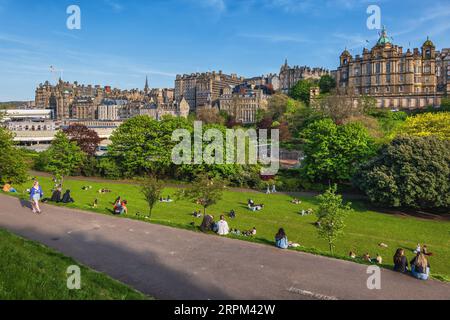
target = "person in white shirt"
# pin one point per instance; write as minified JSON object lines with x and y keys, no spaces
{"x":223,"y":228}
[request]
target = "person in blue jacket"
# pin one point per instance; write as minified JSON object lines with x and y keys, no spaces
{"x":281,"y":240}
{"x":36,"y":195}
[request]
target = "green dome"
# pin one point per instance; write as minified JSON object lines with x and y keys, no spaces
{"x":428,"y":43}
{"x":384,"y":38}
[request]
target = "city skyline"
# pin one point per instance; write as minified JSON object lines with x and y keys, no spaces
{"x":122,"y":42}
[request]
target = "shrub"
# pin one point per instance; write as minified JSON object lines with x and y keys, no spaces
{"x":410,"y":172}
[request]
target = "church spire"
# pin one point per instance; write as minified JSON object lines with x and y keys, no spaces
{"x":146,"y":88}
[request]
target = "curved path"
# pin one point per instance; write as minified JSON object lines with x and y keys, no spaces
{"x":170,"y":263}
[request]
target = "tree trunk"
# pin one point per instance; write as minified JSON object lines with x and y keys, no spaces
{"x":150,"y":212}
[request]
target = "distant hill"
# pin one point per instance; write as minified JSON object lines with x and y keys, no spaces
{"x":13,"y":104}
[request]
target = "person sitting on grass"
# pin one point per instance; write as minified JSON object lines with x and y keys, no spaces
{"x":281,"y":240}
{"x":222,"y":227}
{"x":352,"y":255}
{"x":366,"y":257}
{"x":95,"y":204}
{"x":258,"y":207}
{"x":197,"y":214}
{"x":250,"y":203}
{"x":400,"y":261}
{"x":378,"y":259}
{"x":117,"y":202}
{"x":8,"y":188}
{"x":165,"y":200}
{"x":232,"y":214}
{"x":249,"y":233}
{"x":236,"y":232}
{"x":296,"y":201}
{"x":420,"y":267}
{"x":121,"y":208}
{"x":207,"y":223}
{"x":56,"y":196}
{"x":67,"y":198}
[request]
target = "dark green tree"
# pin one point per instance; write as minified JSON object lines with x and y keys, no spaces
{"x":326,"y":84}
{"x":13,"y":168}
{"x":301,"y":90}
{"x":409,"y":172}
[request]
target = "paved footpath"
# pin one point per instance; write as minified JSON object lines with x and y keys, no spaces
{"x":169,"y":263}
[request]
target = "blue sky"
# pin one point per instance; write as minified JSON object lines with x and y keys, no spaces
{"x":120,"y":42}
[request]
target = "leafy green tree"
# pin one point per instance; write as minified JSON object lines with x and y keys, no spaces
{"x":301,"y":90}
{"x":143,"y":145}
{"x":410,"y":172}
{"x":326,"y":84}
{"x":445,"y":104}
{"x":331,"y":216}
{"x":151,"y":188}
{"x":12,"y":166}
{"x":333,"y":152}
{"x":204,"y":191}
{"x":64,"y":157}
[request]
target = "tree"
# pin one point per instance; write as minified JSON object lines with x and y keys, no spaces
{"x":302,"y":90}
{"x":204,"y":191}
{"x":333,"y":152}
{"x":331,"y":216}
{"x":210,"y":116}
{"x":64,"y":157}
{"x":445,"y":104}
{"x":12,"y":166}
{"x":326,"y":84}
{"x":143,"y":145}
{"x":410,"y":172}
{"x":428,"y":124}
{"x":87,"y":139}
{"x":151,"y":188}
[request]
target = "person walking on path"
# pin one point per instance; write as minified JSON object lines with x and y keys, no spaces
{"x":35,"y":196}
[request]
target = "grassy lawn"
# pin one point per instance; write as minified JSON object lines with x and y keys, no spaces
{"x":30,"y":271}
{"x":364,"y":232}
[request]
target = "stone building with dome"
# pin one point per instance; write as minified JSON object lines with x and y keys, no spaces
{"x":397,"y":79}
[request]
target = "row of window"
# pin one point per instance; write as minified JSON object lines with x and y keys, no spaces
{"x":390,"y":68}
{"x":388,"y":90}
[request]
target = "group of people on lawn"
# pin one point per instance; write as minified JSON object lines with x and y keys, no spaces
{"x":419,"y":267}
{"x":222,"y":228}
{"x":37,"y":195}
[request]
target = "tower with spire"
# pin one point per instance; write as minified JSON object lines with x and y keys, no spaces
{"x":146,"y":88}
